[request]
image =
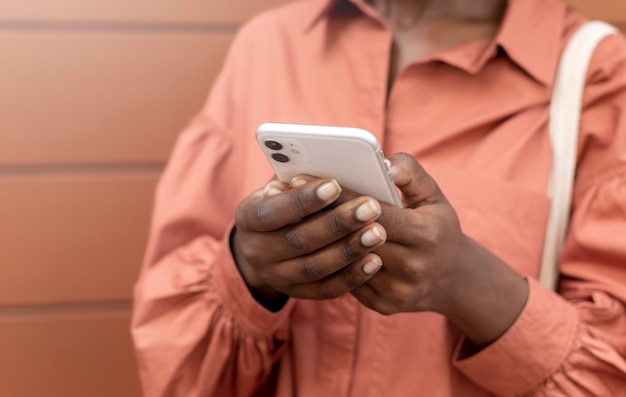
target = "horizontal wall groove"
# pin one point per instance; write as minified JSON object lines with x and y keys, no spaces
{"x":64,"y":309}
{"x":118,"y":27}
{"x":78,"y":169}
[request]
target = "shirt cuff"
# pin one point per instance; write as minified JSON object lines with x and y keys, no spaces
{"x":245,"y":310}
{"x":534,"y":347}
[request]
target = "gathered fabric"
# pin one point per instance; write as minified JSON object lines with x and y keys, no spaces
{"x":476,"y":117}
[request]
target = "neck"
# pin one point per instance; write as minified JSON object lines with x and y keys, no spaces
{"x":460,"y":10}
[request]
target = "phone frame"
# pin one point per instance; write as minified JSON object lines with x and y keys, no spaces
{"x":352,"y":156}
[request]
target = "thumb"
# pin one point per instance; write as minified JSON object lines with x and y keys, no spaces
{"x":416,"y":185}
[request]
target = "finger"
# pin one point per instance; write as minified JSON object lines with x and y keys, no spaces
{"x":308,"y":235}
{"x":271,"y":211}
{"x":371,"y":299}
{"x":301,"y":180}
{"x":341,"y":282}
{"x":405,"y":225}
{"x":332,"y":258}
{"x":273,"y":188}
{"x":401,"y":281}
{"x":346,"y":194}
{"x":416,"y":185}
{"x":381,"y":293}
{"x":386,"y":292}
{"x":326,"y":227}
{"x":368,"y":296}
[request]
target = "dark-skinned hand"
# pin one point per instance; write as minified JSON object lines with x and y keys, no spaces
{"x":428,"y":263}
{"x":288,"y":242}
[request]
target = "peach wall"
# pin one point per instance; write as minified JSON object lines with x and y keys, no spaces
{"x":92,"y":96}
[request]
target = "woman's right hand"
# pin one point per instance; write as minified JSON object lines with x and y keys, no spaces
{"x":289,"y":241}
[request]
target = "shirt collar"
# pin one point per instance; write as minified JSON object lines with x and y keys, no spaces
{"x":530,"y":34}
{"x":321,"y":9}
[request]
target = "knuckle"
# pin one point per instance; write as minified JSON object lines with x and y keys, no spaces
{"x":310,"y":269}
{"x":414,"y":272}
{"x":251,"y":246}
{"x":296,"y":241}
{"x":338,"y":226}
{"x":404,"y":297}
{"x":433,"y":235}
{"x":250,"y":252}
{"x":301,"y":203}
{"x":352,"y":280}
{"x":426,"y":230}
{"x":265,"y":214}
{"x":348,"y":253}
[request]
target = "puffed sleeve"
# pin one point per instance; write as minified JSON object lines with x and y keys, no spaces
{"x":574,"y":343}
{"x":196,"y":328}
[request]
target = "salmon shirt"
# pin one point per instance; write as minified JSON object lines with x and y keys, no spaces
{"x":476,"y":117}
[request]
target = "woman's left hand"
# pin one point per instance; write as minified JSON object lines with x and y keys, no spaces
{"x":429,"y":264}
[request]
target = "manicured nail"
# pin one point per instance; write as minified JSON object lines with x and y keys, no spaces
{"x":271,"y":190}
{"x":297,"y":182}
{"x":368,"y":210}
{"x":373,"y":236}
{"x":372,"y":265}
{"x":328,"y":190}
{"x":393,"y":171}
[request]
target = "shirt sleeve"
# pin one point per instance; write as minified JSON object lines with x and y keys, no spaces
{"x":196,"y":328}
{"x":574,"y":343}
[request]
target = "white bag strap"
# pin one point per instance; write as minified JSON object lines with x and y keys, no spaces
{"x":565,"y":110}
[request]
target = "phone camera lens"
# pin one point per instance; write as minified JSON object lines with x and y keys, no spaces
{"x":273,"y":145}
{"x":281,"y":158}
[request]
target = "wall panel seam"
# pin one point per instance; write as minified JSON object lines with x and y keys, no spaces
{"x":13,"y":312}
{"x":73,"y":169}
{"x":118,"y":27}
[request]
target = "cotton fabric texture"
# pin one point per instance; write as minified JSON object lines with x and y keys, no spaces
{"x":476,"y":117}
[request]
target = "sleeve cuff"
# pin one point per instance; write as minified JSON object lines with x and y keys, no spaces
{"x":246,"y":311}
{"x":532,"y":349}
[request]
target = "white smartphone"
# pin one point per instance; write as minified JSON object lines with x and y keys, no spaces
{"x":352,"y":156}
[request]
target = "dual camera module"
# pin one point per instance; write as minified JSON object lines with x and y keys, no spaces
{"x":274,"y":145}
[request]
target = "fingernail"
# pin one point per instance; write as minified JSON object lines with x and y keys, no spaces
{"x":372,"y":265}
{"x":368,"y":210}
{"x":373,"y":236}
{"x":297,"y":182}
{"x":328,"y":190}
{"x":393,"y":171}
{"x":270,"y":190}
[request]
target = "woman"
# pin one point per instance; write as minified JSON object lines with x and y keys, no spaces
{"x":307,"y":289}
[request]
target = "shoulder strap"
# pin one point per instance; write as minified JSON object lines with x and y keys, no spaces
{"x":564,"y":126}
